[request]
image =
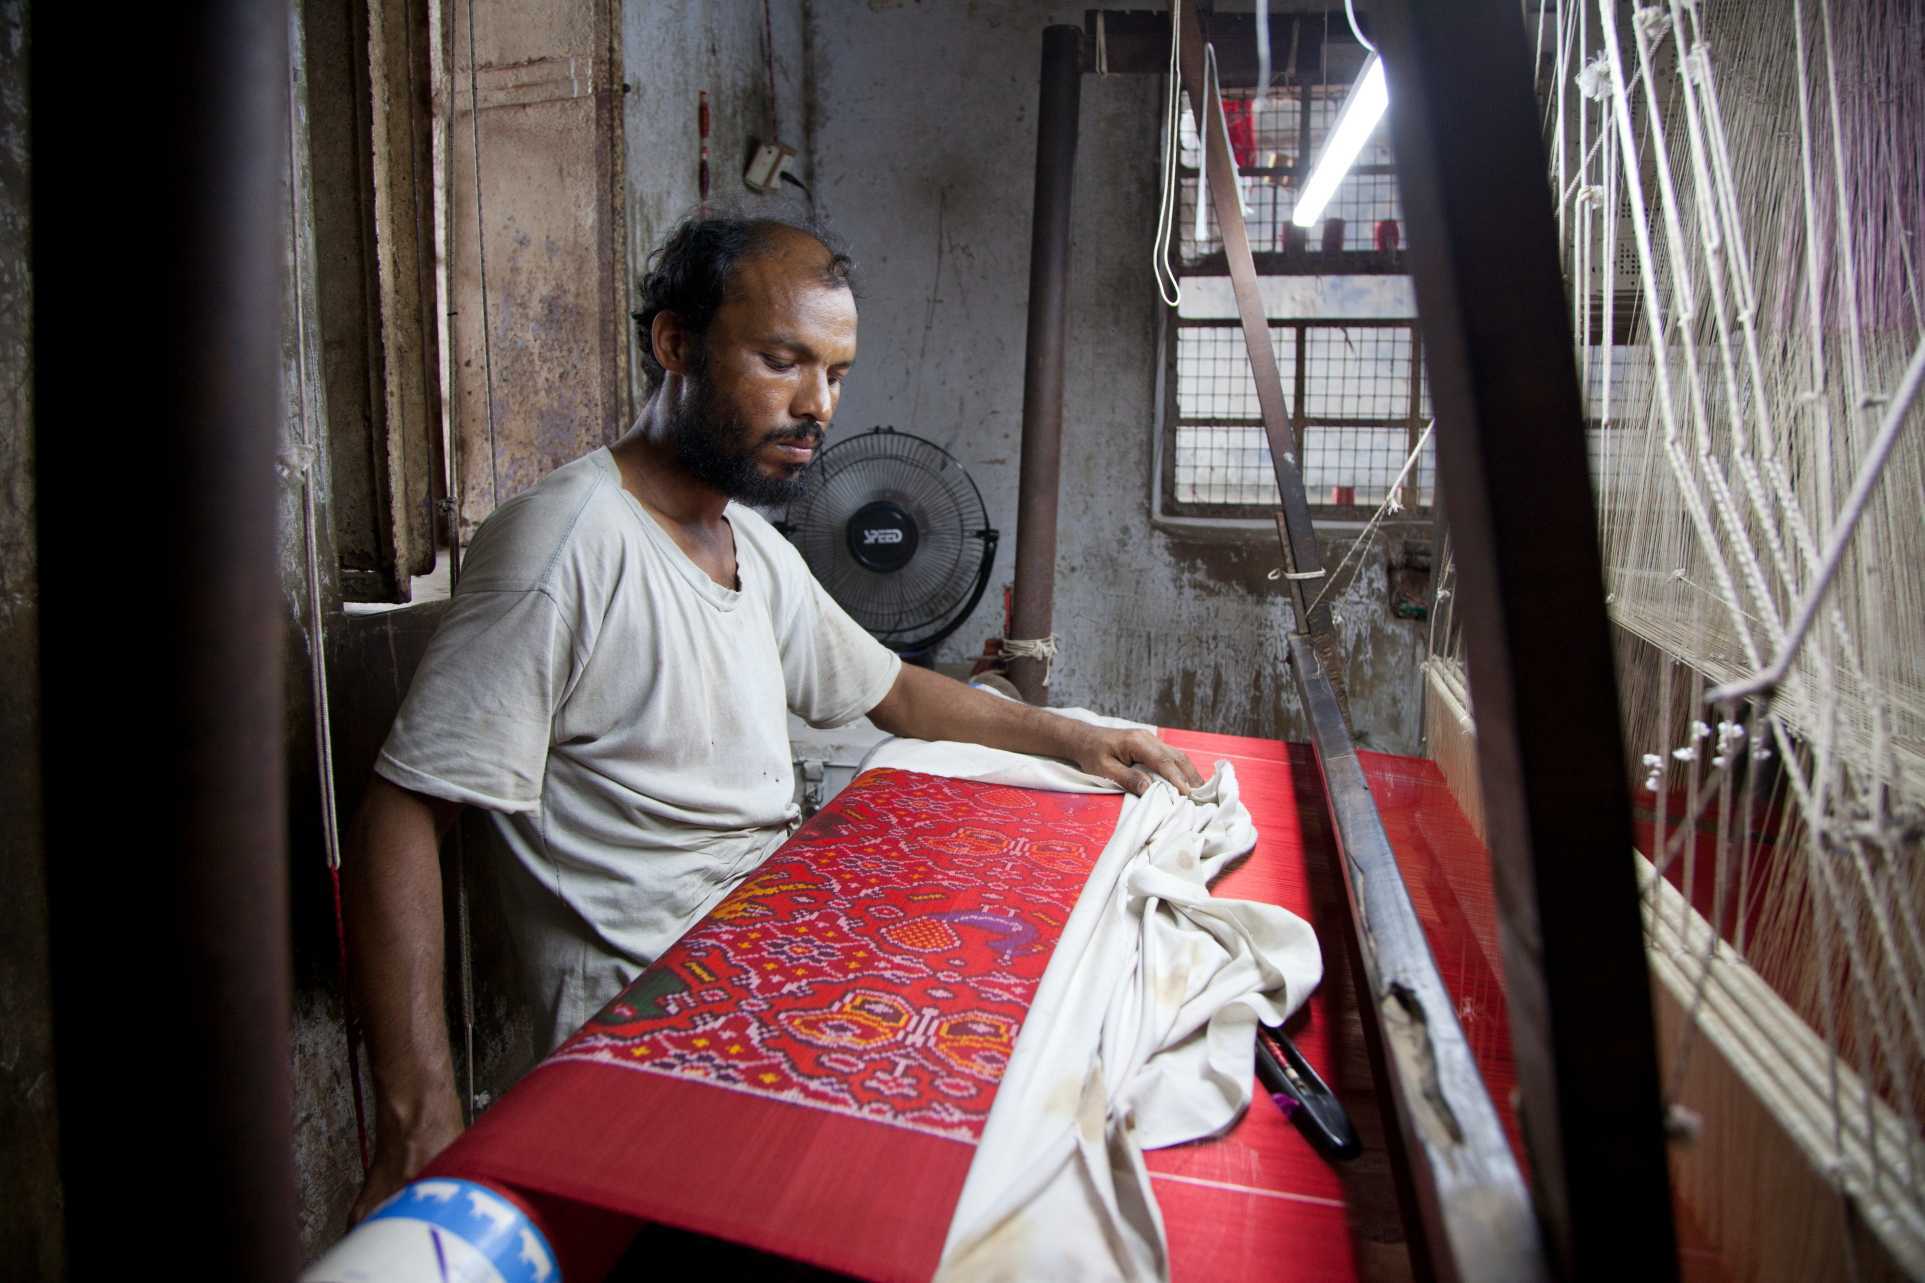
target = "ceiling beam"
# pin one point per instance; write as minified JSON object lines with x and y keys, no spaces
{"x":1137,"y":42}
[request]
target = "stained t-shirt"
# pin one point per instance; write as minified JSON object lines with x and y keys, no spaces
{"x":623,"y":718}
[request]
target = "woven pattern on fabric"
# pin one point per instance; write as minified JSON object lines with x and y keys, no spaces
{"x":879,"y":964}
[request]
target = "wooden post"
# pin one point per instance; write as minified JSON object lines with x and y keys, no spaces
{"x":1510,"y":449}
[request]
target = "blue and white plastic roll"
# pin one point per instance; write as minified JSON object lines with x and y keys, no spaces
{"x":441,"y":1231}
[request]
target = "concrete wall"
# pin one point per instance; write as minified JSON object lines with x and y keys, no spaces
{"x":925,"y":138}
{"x":670,"y":54}
{"x":29,"y":1160}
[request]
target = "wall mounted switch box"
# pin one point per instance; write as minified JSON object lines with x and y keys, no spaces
{"x":766,"y":165}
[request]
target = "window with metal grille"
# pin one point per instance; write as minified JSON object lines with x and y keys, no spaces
{"x":1357,"y":392}
{"x":1341,"y":323}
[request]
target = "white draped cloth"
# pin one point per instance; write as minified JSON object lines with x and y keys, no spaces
{"x":1141,"y":1034}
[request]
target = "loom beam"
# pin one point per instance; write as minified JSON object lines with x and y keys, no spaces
{"x":1496,"y":327}
{"x":1458,"y":1180}
{"x":1467,"y":1194}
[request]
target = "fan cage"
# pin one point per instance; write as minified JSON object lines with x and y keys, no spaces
{"x":913,"y":608}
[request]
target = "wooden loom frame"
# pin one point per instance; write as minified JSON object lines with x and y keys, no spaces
{"x":1470,"y":170}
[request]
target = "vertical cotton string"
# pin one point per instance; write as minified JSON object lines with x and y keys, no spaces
{"x":1566,"y":32}
{"x":1390,"y":504}
{"x":1752,"y":430}
{"x":1693,"y":67}
{"x":1688,"y":754}
{"x":1719,"y":482}
{"x":1200,"y":211}
{"x":1847,"y":261}
{"x":1609,"y":375}
{"x":1580,"y":266}
{"x":1259,"y":99}
{"x":1814,"y":276}
{"x":1654,"y":314}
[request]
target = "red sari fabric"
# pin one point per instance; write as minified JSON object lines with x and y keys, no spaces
{"x":818,"y":1093}
{"x":1259,"y":1202}
{"x":808,"y":1070}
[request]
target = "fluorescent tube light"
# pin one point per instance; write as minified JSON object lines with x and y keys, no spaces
{"x":1363,"y":107}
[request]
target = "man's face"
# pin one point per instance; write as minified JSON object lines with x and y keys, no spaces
{"x":760,"y":391}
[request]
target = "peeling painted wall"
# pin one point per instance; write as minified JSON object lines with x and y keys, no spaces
{"x":29,"y":1157}
{"x":924,"y":121}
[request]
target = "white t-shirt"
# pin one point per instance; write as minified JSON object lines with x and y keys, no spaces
{"x":622,"y":717}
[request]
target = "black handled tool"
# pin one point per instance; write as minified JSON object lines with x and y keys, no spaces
{"x":1302,"y":1096}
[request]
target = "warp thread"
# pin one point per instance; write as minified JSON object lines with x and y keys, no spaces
{"x":1725,"y":448}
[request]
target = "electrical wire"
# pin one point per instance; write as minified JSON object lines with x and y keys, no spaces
{"x":1167,"y":286}
{"x":768,"y":53}
{"x":308,"y":453}
{"x":1350,"y":12}
{"x":463,"y":934}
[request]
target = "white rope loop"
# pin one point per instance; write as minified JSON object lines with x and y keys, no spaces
{"x":1039,"y":648}
{"x":1167,"y":286}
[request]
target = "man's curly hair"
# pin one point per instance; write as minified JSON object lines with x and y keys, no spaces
{"x":690,"y":273}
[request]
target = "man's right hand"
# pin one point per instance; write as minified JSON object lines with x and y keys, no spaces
{"x":399,"y":1153}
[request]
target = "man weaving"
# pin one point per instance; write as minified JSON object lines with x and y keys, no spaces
{"x":613,"y":678}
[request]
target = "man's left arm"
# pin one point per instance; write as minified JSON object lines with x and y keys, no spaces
{"x":928,"y":706}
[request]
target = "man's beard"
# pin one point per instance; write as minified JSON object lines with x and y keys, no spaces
{"x":716,"y":448}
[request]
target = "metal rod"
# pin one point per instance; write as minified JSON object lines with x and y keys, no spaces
{"x":1042,"y":460}
{"x":163,"y":629}
{"x":1869,"y":473}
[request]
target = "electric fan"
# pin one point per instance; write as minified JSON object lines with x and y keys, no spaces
{"x":896,"y":531}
